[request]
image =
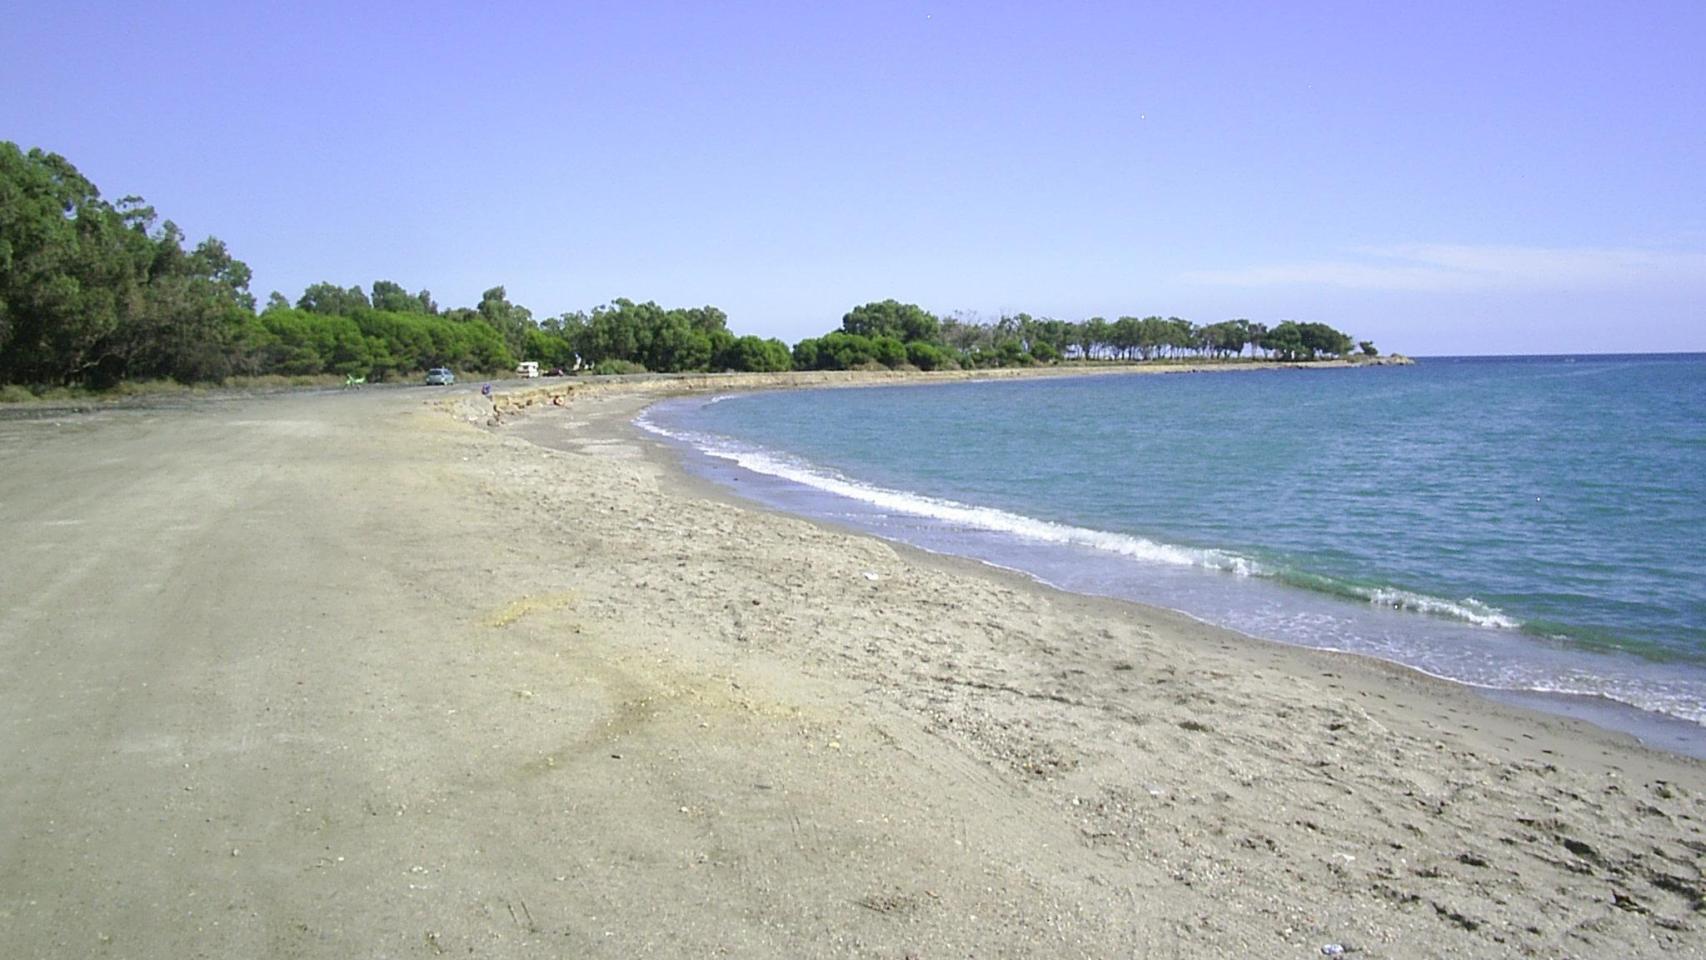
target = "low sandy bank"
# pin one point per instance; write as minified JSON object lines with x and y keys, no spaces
{"x":518,"y":396}
{"x":1158,"y":784}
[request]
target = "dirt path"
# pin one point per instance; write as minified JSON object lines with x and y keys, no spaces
{"x":213,"y":709}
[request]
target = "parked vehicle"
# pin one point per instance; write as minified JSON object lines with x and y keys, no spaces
{"x":527,"y":368}
{"x":440,"y":377}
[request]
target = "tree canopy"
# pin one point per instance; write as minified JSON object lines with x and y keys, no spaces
{"x":905,"y":322}
{"x":870,"y":333}
{"x":94,"y":292}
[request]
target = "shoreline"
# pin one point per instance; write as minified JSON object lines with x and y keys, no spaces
{"x":1388,"y":734}
{"x":660,"y":454}
{"x":1653,"y":730}
{"x":513,"y":397}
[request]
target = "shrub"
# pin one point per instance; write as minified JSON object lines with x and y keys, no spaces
{"x":806,"y":354}
{"x":148,"y":388}
{"x":753,"y":354}
{"x":888,"y":351}
{"x":610,"y":367}
{"x":925,"y":356}
{"x":1011,"y":353}
{"x":843,"y":351}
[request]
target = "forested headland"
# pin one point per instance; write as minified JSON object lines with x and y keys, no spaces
{"x":94,"y":293}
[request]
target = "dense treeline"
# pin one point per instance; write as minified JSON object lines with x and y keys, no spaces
{"x":893,"y":334}
{"x":626,"y":335}
{"x":93,"y":293}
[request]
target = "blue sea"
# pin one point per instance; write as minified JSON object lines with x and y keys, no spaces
{"x":1530,"y":526}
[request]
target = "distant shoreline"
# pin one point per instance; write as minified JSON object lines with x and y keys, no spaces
{"x":519,"y":395}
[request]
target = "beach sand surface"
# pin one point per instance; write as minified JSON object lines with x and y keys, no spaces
{"x":351,"y":675}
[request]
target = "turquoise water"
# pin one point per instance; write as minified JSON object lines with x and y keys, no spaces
{"x":1528,"y":525}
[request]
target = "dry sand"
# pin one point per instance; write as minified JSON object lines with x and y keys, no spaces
{"x":333,"y":676}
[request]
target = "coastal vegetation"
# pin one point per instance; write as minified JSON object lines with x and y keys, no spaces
{"x":96,"y":293}
{"x":894,"y":334}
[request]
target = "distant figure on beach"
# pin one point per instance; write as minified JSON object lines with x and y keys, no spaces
{"x":486,"y":390}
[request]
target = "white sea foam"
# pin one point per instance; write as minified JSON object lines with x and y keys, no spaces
{"x":1469,"y":610}
{"x":1684,"y":702}
{"x":969,"y":517}
{"x":1683,"y":705}
{"x":953,"y":513}
{"x":1681,"y":701}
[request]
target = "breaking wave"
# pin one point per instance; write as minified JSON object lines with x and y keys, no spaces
{"x":989,"y":519}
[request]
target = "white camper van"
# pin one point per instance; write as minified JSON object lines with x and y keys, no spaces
{"x":527,"y":368}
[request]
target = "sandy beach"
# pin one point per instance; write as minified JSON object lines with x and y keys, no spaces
{"x":406,"y":673}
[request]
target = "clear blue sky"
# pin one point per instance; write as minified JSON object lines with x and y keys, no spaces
{"x":1441,"y":177}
